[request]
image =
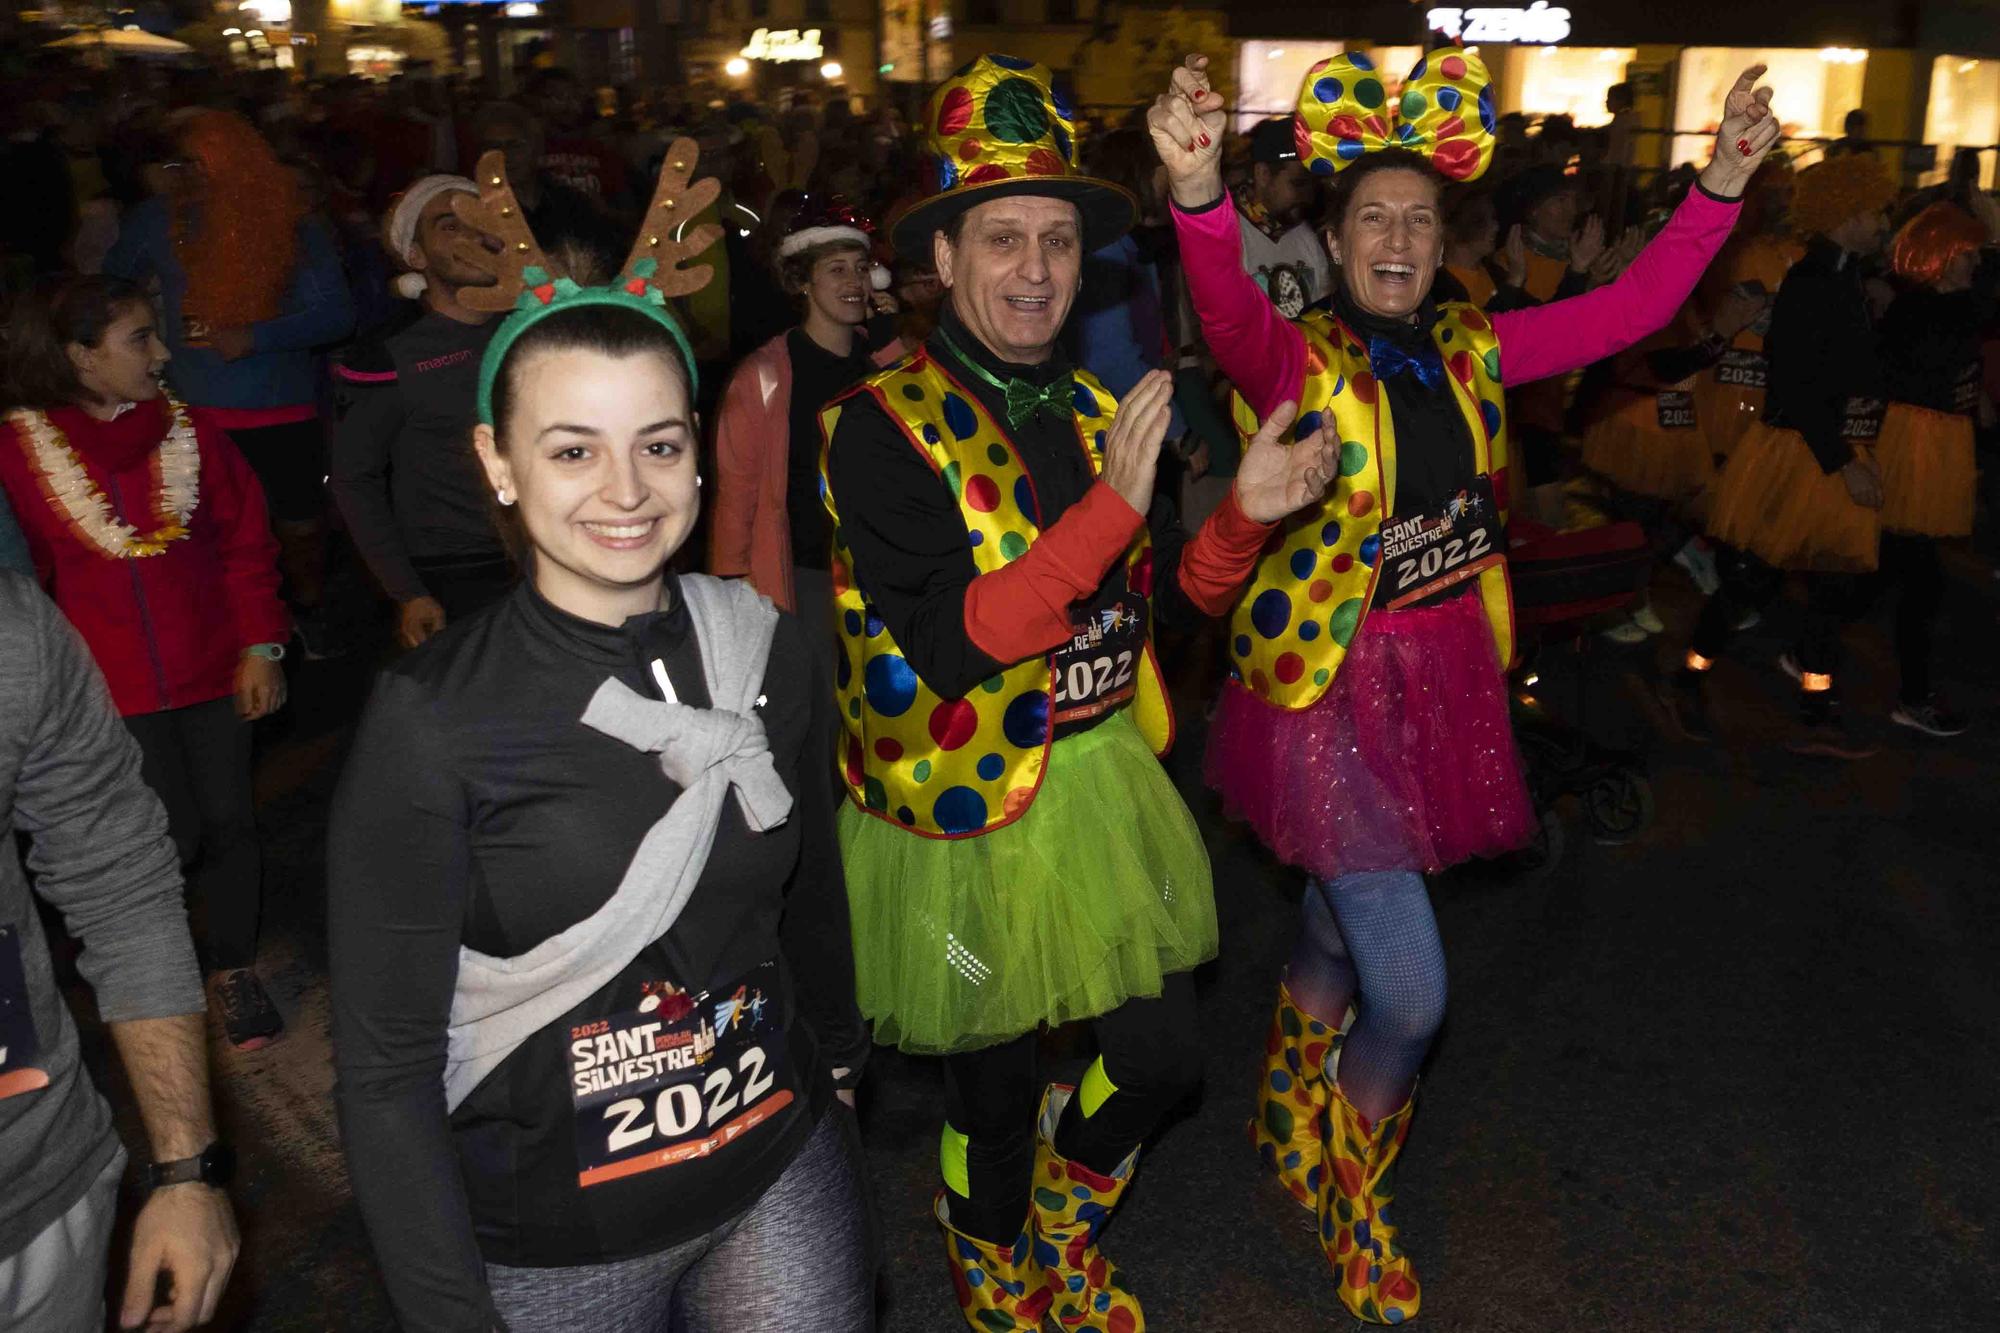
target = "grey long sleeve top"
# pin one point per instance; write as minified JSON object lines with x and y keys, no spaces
{"x":99,"y":852}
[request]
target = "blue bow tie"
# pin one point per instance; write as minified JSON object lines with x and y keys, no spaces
{"x":1387,"y":360}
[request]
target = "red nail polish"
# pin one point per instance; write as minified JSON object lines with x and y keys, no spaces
{"x":1204,"y":141}
{"x":1190,"y":145}
{"x":1743,"y":147}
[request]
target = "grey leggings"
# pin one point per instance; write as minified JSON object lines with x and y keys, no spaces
{"x":798,"y":1259}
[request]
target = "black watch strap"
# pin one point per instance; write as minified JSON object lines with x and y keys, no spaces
{"x":213,"y":1165}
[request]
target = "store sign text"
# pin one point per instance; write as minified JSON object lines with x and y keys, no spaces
{"x":1537,"y":25}
{"x":784,"y":44}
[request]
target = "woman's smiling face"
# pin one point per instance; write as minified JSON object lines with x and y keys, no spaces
{"x":1390,"y":242}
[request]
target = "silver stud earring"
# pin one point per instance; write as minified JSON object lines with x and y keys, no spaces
{"x":697,"y":481}
{"x":504,"y":498}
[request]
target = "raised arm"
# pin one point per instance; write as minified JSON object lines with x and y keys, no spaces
{"x":1564,"y":335}
{"x":1260,"y":352}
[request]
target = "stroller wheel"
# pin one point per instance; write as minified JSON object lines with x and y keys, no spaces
{"x":1539,"y":859}
{"x":1618,"y":806}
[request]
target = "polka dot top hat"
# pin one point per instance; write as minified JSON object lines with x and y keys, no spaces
{"x":1445,"y":113}
{"x":996,"y":129}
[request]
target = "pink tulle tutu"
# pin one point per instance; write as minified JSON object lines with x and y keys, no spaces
{"x":1406,"y":763}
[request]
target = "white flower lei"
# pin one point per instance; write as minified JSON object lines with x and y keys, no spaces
{"x":67,"y":483}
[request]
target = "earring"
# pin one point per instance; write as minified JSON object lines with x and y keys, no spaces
{"x":504,"y":498}
{"x":697,"y":481}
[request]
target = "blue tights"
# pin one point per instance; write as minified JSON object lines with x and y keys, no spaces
{"x":1370,"y":940}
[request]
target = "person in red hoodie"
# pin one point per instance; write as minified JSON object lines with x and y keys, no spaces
{"x":150,"y":532}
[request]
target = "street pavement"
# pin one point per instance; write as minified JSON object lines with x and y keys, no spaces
{"x":1739,"y":1073}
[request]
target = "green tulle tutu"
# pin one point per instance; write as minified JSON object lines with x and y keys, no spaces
{"x":1094,"y":896}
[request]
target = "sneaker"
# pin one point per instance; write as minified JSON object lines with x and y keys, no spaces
{"x":1823,"y":733}
{"x":249,"y":1019}
{"x":1930,"y":717}
{"x":1647,"y":619}
{"x":1698,"y":562}
{"x":1684,"y":695}
{"x":1626,"y":633}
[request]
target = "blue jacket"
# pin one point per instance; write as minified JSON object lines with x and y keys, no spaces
{"x":282,"y":371}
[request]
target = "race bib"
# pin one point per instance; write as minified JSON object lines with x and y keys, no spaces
{"x":1098,"y":669}
{"x":1965,"y":390}
{"x":1676,"y":409}
{"x":1861,"y":420}
{"x":1744,"y":369}
{"x":1427,"y":553}
{"x":20,"y":1051}
{"x":680,"y":1077}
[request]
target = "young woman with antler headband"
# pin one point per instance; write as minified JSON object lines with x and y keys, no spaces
{"x":559,"y":860}
{"x":1366,"y":738}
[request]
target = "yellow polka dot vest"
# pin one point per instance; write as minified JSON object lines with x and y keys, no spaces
{"x":1313,"y":586}
{"x":957,"y":768}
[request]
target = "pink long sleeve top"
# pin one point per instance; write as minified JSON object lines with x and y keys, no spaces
{"x":1265,"y":357}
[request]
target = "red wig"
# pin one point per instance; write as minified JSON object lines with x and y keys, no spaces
{"x":1928,"y":242}
{"x":237,"y":235}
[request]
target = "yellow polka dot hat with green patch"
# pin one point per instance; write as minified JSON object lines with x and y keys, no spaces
{"x":1444,"y":113}
{"x":997,"y":128}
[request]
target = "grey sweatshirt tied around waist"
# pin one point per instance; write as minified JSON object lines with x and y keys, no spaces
{"x":500,"y":1002}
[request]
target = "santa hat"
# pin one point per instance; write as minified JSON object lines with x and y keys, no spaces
{"x":822,"y":220}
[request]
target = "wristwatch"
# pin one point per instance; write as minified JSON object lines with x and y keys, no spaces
{"x":215,"y":1165}
{"x":274,"y":651}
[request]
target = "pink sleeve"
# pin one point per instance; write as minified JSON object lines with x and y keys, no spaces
{"x":1260,"y":352}
{"x":1563,"y":336}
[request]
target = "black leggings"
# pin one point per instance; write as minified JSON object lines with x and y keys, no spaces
{"x":1150,"y":1054}
{"x":198,"y":760}
{"x":1910,"y":565}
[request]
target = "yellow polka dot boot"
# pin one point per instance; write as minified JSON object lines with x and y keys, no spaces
{"x":1291,"y":1097}
{"x":1071,"y":1205}
{"x":1376,"y":1279}
{"x":1001,"y":1288}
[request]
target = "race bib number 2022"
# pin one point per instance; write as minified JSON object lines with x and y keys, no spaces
{"x":678,"y":1078}
{"x":1425,"y":554}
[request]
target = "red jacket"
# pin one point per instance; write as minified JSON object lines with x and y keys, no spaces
{"x":167,"y":630}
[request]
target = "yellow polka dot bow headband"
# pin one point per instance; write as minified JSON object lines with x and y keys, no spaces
{"x":1444,"y":112}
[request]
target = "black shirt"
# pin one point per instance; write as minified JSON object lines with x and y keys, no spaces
{"x":818,"y":377}
{"x":477,"y":809}
{"x":1823,"y":351}
{"x":403,"y":469}
{"x":1930,"y":343}
{"x":904,"y":528}
{"x":1434,"y":453}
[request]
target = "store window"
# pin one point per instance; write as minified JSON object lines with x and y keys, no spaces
{"x":1813,"y":92}
{"x":1268,"y":75}
{"x":1395,"y":62}
{"x":1563,"y":81}
{"x":1964,"y":112}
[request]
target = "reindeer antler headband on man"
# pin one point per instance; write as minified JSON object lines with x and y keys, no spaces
{"x":526,"y":280}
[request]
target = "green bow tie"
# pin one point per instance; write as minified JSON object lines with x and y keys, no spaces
{"x":1023,"y":398}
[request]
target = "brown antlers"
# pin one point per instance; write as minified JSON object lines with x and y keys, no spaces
{"x":497,"y":213}
{"x":663,"y":238}
{"x":677,"y":200}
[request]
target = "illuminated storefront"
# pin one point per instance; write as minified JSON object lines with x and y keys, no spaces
{"x":1964,"y":111}
{"x":1562,"y":80}
{"x":1813,"y":90}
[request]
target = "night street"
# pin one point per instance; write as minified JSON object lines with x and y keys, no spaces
{"x":1738,"y":1074}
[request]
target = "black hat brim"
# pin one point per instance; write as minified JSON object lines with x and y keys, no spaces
{"x":1107,"y":210}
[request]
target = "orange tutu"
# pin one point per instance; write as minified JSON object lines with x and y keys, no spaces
{"x":1727,"y":412}
{"x":1772,"y":500}
{"x":1928,"y":473}
{"x":1627,"y":447}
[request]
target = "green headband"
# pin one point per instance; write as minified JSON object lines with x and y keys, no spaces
{"x":542,"y":297}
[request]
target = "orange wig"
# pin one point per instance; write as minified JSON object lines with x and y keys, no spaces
{"x":237,"y":236}
{"x":1928,"y":242}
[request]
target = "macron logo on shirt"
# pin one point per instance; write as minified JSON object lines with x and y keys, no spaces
{"x":440,"y":362}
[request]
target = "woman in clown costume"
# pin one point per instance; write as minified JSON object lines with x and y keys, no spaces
{"x":1366,"y":737}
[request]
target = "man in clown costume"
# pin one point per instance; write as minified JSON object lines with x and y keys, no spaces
{"x":1365,"y":737}
{"x":1015,"y":855}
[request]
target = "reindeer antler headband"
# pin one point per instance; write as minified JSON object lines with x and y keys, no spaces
{"x":526,"y":282}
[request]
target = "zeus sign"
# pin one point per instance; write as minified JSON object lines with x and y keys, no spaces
{"x":1537,"y":25}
